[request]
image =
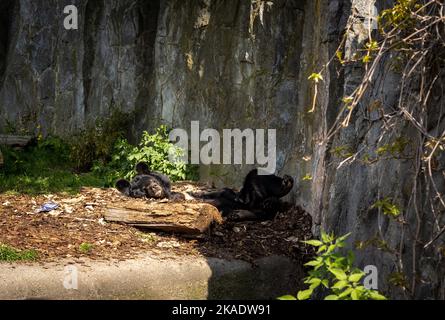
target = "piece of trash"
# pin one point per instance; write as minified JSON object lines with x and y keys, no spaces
{"x":6,"y":203}
{"x":102,"y":221}
{"x":89,"y":208}
{"x":90,"y":204}
{"x":219,"y":234}
{"x":47,"y":207}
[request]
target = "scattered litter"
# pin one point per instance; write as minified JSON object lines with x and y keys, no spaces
{"x":61,"y":236}
{"x":89,"y":208}
{"x":47,"y":207}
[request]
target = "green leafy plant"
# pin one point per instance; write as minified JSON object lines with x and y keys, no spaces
{"x":154,"y":149}
{"x":9,"y":254}
{"x":85,"y":247}
{"x":395,"y":148}
{"x":342,"y":152}
{"x":334,"y":273}
{"x":399,"y":16}
{"x":387,"y":207}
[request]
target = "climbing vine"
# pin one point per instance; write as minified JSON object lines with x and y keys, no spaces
{"x":409,"y":42}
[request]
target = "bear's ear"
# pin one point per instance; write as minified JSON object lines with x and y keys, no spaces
{"x":142,"y":168}
{"x":123,"y":186}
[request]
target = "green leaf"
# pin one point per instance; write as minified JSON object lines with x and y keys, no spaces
{"x":321,"y":249}
{"x":315,"y":243}
{"x":340,"y":284}
{"x":331,"y":297}
{"x":374,"y":295}
{"x":366,"y":59}
{"x":313,"y":263}
{"x":325,"y":237}
{"x":343,"y":238}
{"x":345,"y":293}
{"x":355,"y":294}
{"x":355,"y":277}
{"x":315,"y":77}
{"x":314,"y":281}
{"x":325,"y":283}
{"x":338,"y":273}
{"x":331,"y":248}
{"x":304,"y":294}
{"x":287,"y":297}
{"x":347,"y":100}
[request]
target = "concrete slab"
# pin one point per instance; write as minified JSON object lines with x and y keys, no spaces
{"x":148,"y":277}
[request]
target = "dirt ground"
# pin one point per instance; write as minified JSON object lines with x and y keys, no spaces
{"x":79,"y":220}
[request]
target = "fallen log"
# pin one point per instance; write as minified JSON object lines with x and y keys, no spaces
{"x":16,"y":141}
{"x":185,"y":217}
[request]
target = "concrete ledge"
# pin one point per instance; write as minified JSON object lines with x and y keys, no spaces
{"x":152,"y":278}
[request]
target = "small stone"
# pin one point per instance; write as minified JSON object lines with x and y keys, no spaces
{"x":68,"y":209}
{"x":168,"y":244}
{"x":292,"y":239}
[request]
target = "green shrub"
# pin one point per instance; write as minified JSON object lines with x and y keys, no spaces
{"x":334,"y":273}
{"x":96,"y":143}
{"x":154,"y":150}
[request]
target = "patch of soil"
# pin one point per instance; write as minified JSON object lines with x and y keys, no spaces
{"x":248,"y":240}
{"x":79,"y":219}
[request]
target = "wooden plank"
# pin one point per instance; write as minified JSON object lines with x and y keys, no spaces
{"x":12,"y":140}
{"x":180,"y":217}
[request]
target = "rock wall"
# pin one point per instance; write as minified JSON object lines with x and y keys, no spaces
{"x":228,"y":64}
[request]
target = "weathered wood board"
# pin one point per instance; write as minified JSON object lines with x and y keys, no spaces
{"x":12,"y":140}
{"x":180,"y":217}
